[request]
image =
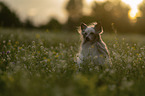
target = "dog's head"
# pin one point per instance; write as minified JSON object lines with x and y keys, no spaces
{"x":91,"y":34}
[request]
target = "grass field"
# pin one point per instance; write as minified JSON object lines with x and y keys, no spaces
{"x":41,"y":63}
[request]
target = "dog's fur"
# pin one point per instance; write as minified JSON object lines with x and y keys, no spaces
{"x":92,"y":48}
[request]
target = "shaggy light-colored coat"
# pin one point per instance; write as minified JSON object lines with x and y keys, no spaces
{"x":93,"y":49}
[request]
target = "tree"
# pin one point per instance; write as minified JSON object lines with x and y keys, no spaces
{"x":75,"y":12}
{"x":28,"y":24}
{"x":53,"y":24}
{"x":75,"y":9}
{"x":7,"y":17}
{"x":108,"y":13}
{"x":141,"y":20}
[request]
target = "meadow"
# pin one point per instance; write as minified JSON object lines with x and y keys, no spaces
{"x":42,"y":63}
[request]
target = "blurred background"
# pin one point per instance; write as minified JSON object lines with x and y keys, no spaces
{"x":123,"y":16}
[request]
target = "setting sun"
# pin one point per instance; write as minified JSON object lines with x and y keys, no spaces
{"x":134,"y":11}
{"x":133,"y":4}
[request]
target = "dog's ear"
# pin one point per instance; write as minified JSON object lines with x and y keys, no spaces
{"x":83,"y":27}
{"x":98,"y":28}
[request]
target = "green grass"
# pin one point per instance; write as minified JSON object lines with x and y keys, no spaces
{"x":39,"y":63}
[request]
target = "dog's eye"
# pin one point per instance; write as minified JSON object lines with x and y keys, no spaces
{"x":85,"y":33}
{"x":91,"y":33}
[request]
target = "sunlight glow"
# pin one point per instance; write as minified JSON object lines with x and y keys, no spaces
{"x":134,"y":11}
{"x":100,"y":0}
{"x":89,"y":1}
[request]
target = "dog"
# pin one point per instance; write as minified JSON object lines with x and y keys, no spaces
{"x":92,"y":48}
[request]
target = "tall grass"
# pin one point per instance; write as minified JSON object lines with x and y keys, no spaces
{"x":39,"y":63}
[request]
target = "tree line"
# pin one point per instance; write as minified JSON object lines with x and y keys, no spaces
{"x":10,"y":19}
{"x":112,"y":15}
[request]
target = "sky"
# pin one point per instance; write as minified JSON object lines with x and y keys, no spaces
{"x":40,"y":11}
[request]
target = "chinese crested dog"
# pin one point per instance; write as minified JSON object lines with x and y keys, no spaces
{"x":92,"y":48}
